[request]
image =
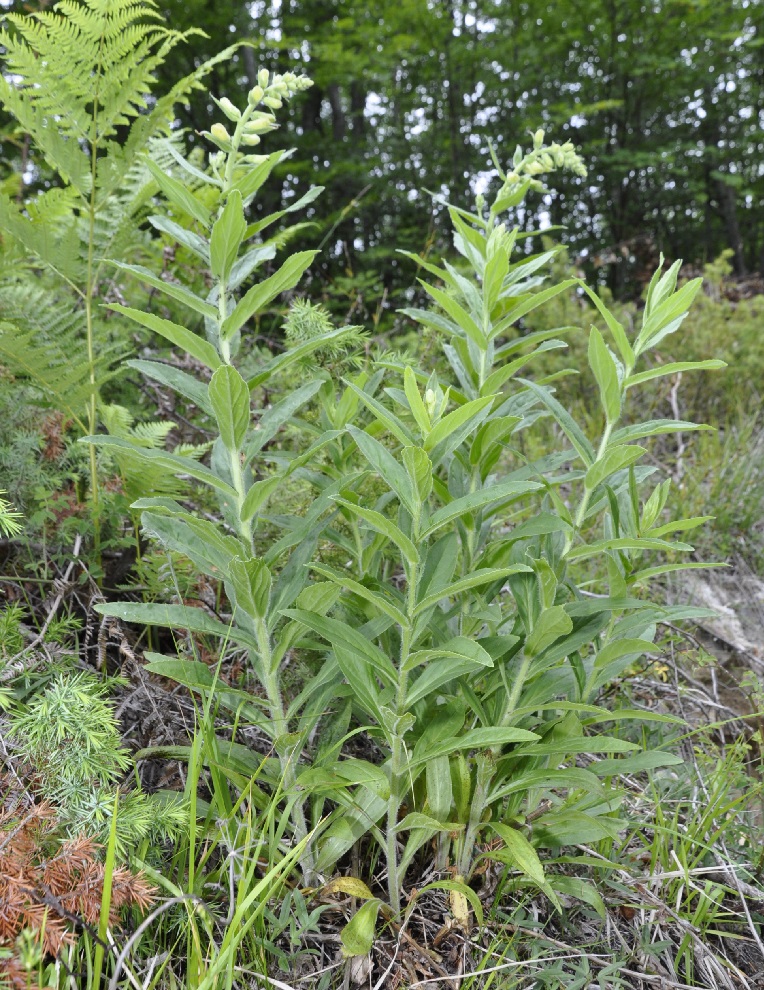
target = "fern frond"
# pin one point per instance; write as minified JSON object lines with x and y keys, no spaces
{"x":55,"y":243}
{"x":139,"y":476}
{"x":89,"y":70}
{"x":45,"y":345}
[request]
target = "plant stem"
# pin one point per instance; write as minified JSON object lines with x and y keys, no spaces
{"x":584,"y":503}
{"x":397,"y":763}
{"x":287,"y":755}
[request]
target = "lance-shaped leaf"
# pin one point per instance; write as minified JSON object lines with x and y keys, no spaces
{"x":602,"y":364}
{"x":383,"y":525}
{"x":250,"y":580}
{"x":463,"y":320}
{"x":553,"y":623}
{"x":172,"y":462}
{"x":384,"y":605}
{"x":672,"y":369}
{"x":172,"y":289}
{"x":187,"y":340}
{"x":619,"y":334}
{"x":386,"y":466}
{"x":614,"y":460}
{"x":265,"y":292}
{"x":227,"y":234}
{"x":473,"y":739}
{"x":229,"y":398}
{"x":481,"y":576}
{"x":446,"y":435}
{"x":570,"y":428}
{"x":180,"y":381}
{"x":506,"y":491}
{"x":176,"y":617}
{"x":196,"y":244}
{"x":339,"y":634}
{"x":178,"y":194}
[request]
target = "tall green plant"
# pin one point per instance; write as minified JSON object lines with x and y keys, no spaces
{"x":257,"y":587}
{"x":78,"y":81}
{"x":469,"y":634}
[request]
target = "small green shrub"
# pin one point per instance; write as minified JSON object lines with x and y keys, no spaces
{"x":70,"y":739}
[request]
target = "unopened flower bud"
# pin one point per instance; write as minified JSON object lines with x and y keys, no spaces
{"x":229,"y":109}
{"x":273,"y":102}
{"x":255,"y":95}
{"x":262,"y":78}
{"x":251,"y":140}
{"x":538,"y":138}
{"x":219,"y":132}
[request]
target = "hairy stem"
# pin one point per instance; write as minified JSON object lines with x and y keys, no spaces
{"x":397,"y":760}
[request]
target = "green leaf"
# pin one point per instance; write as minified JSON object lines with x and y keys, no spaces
{"x":570,"y":428}
{"x":473,"y":739}
{"x":617,"y":330}
{"x":458,"y":314}
{"x":553,"y":623}
{"x":229,"y":398}
{"x":624,"y":543}
{"x":274,"y":418}
{"x":357,"y":936}
{"x":439,"y":787}
{"x":652,"y":759}
{"x":568,"y":828}
{"x":295,"y":355}
{"x":661,"y":318}
{"x":172,"y":289}
{"x":386,"y":466}
{"x":347,"y":582}
{"x":483,"y":575}
{"x":339,"y":634}
{"x":383,"y":525}
{"x":253,"y":178}
{"x":178,"y":195}
{"x":227,"y":234}
{"x":581,"y":890}
{"x":529,"y":303}
{"x":673,"y":369}
{"x":251,"y":581}
{"x":521,"y":852}
{"x":615,"y":459}
{"x":196,"y":244}
{"x":416,"y":405}
{"x":508,"y":490}
{"x":175,"y":617}
{"x":652,"y":428}
{"x":187,"y":340}
{"x":393,"y":424}
{"x":265,"y":292}
{"x":172,"y":462}
{"x":259,"y":493}
{"x":460,"y":647}
{"x":419,"y":469}
{"x":191,"y":389}
{"x":602,"y":364}
{"x":449,"y":433}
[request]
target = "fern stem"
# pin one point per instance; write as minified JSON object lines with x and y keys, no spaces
{"x":89,"y":289}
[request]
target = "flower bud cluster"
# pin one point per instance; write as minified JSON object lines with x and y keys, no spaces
{"x":251,"y":124}
{"x":272,"y":91}
{"x":543,"y":159}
